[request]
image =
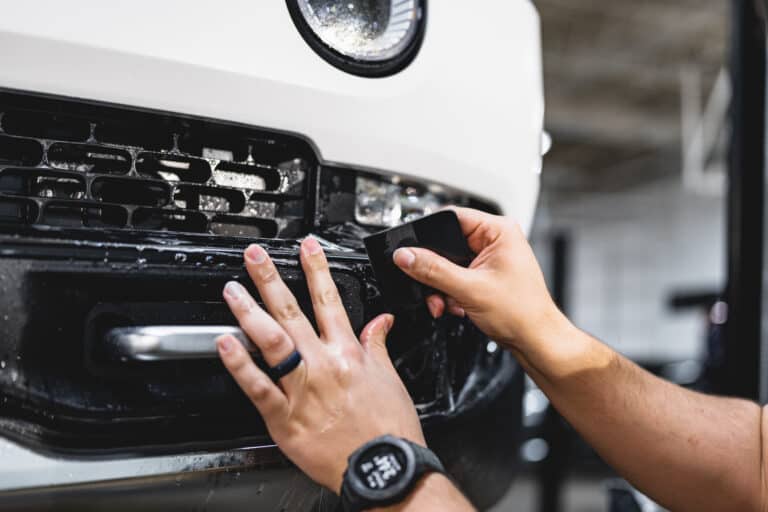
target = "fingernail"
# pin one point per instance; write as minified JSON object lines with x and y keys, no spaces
{"x":234,"y":290}
{"x":433,"y":306}
{"x":224,"y":343}
{"x":256,"y":254}
{"x":312,"y":246}
{"x":458,"y":311}
{"x":404,"y":258}
{"x":382,"y":326}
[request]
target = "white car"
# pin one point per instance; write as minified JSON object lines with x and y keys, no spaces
{"x":144,"y":144}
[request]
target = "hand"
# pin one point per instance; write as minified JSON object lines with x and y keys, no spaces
{"x":343,"y":393}
{"x":503,"y":291}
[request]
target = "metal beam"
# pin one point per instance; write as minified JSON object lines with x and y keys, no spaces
{"x":739,"y":374}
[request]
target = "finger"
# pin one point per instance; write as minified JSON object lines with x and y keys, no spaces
{"x":265,"y":395}
{"x":480,"y":228}
{"x":436,"y":305}
{"x":332,"y":319}
{"x":433,"y":270}
{"x":279,"y":300}
{"x":374,"y":335}
{"x":454,"y":308}
{"x":273,"y":342}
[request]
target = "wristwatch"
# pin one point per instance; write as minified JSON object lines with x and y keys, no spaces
{"x":383,"y":472}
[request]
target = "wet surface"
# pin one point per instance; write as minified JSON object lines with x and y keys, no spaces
{"x":478,"y":451}
{"x":105,"y":225}
{"x":67,"y":396}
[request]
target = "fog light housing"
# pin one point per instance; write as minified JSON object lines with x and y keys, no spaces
{"x":363,"y":37}
{"x":383,"y":203}
{"x":378,"y":203}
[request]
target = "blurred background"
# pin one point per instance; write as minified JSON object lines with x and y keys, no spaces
{"x":630,"y":228}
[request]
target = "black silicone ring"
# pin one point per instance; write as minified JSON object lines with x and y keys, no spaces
{"x":285,"y":366}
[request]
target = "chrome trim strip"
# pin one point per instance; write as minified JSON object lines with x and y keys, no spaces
{"x":170,"y":342}
{"x":21,"y":468}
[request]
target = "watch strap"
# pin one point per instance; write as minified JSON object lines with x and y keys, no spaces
{"x":426,"y":461}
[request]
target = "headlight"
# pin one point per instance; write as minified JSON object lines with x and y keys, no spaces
{"x":364,"y":37}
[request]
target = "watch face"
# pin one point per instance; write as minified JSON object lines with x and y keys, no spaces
{"x":381,"y":466}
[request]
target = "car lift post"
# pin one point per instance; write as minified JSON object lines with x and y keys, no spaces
{"x":746,"y":296}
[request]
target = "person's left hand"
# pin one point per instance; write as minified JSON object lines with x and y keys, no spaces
{"x":343,"y":393}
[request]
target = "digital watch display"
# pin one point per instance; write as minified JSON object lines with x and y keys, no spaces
{"x":381,"y":466}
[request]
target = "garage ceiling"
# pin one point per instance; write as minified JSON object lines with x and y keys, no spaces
{"x":612,"y":72}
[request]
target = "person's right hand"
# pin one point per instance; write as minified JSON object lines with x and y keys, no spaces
{"x":503,"y":291}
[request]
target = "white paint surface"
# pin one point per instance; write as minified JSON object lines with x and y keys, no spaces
{"x":467,"y":112}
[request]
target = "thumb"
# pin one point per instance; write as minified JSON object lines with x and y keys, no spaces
{"x":433,"y":270}
{"x":374,"y":335}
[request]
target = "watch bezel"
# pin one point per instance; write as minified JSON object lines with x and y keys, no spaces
{"x":399,"y":487}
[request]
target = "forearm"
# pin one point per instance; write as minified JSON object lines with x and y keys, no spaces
{"x":687,"y":450}
{"x":433,"y":493}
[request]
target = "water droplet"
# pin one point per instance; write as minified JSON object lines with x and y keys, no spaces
{"x":141,"y":261}
{"x":2,"y":364}
{"x":5,"y":317}
{"x":209,"y":260}
{"x":14,"y":376}
{"x":180,"y":257}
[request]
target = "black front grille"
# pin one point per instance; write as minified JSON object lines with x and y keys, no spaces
{"x":71,"y":164}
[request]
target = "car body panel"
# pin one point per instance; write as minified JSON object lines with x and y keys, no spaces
{"x":467,"y":113}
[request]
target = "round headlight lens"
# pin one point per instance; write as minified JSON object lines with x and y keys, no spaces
{"x":365,"y":32}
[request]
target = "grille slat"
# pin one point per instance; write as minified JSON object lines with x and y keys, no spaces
{"x":40,"y":182}
{"x":18,"y":210}
{"x":209,"y":199}
{"x":45,"y":125}
{"x":80,"y":165}
{"x":173,"y":167}
{"x":84,"y":214}
{"x":156,"y":219}
{"x":131,"y":191}
{"x":238,"y":226}
{"x":20,"y":151}
{"x":90,"y":158}
{"x":257,"y":177}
